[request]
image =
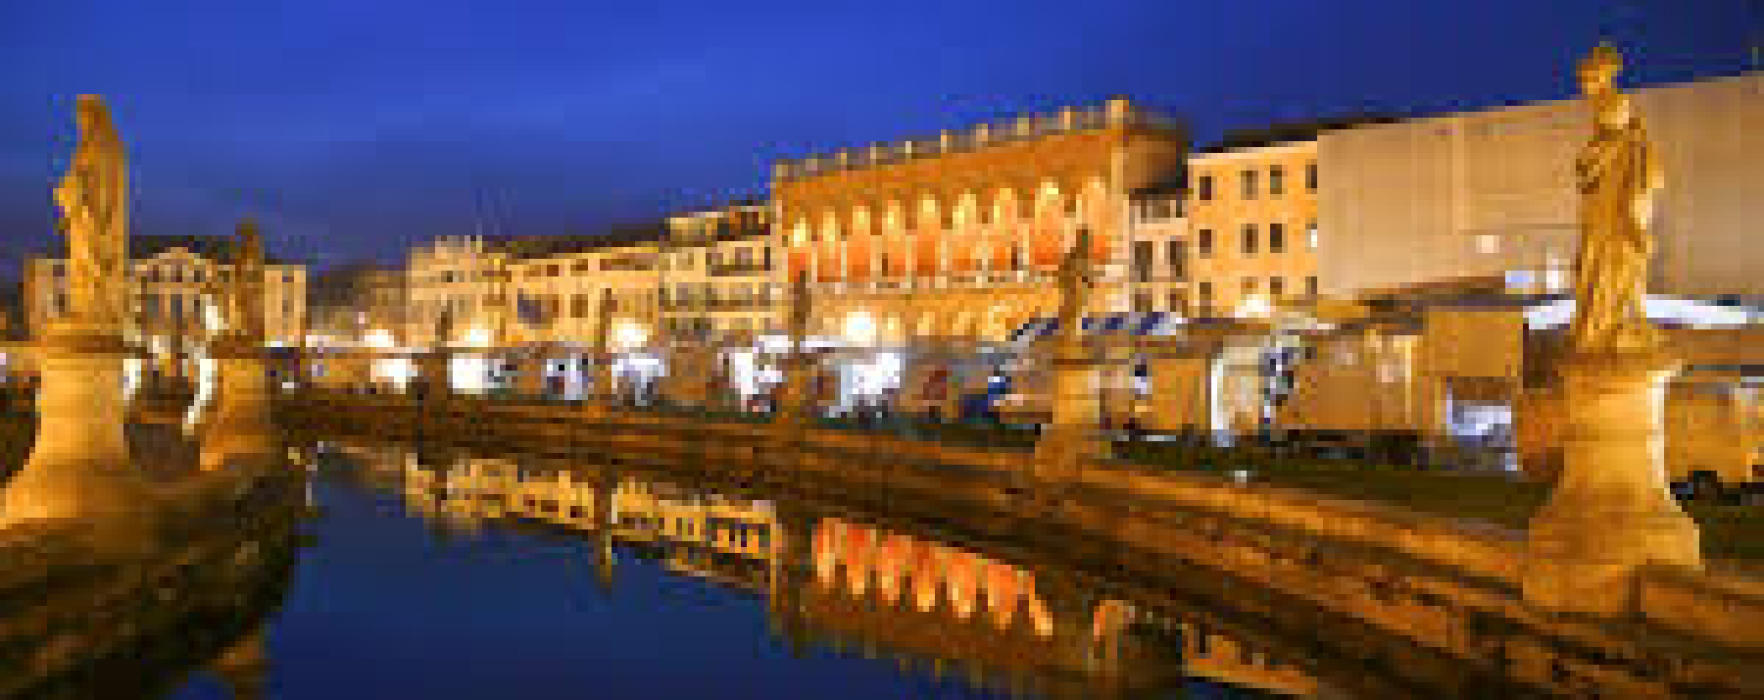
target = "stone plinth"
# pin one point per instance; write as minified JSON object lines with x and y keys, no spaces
{"x":79,"y":465}
{"x":1611,"y":512}
{"x":240,"y":426}
{"x":1071,"y":438}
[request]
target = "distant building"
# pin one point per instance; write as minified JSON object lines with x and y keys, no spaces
{"x":1488,"y":197}
{"x":556,"y":284}
{"x":362,"y":304}
{"x":959,"y":236}
{"x":719,"y":278}
{"x":1252,"y":219}
{"x":170,"y":280}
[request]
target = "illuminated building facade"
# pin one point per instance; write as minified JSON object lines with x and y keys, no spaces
{"x":172,"y":279}
{"x":719,"y":279}
{"x":1252,"y":220}
{"x":959,"y":236}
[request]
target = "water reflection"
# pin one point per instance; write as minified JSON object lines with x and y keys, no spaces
{"x":209,"y":558}
{"x":837,"y":584}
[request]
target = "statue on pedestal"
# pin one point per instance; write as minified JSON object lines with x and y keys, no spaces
{"x":94,"y":201}
{"x":245,"y":293}
{"x":1618,"y":174}
{"x":1610,"y":513}
{"x":1075,"y":275}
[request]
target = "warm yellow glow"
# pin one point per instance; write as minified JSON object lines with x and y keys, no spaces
{"x":860,"y":328}
{"x":1256,"y":306}
{"x":478,"y":336}
{"x":379,"y":338}
{"x":630,"y":334}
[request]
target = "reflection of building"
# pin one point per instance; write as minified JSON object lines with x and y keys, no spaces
{"x":486,"y":489}
{"x":171,"y":278}
{"x":719,"y":278}
{"x":1491,"y":194}
{"x":842,"y":583}
{"x":958,"y":236}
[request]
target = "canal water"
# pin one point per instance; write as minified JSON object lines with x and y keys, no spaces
{"x":426,"y":573}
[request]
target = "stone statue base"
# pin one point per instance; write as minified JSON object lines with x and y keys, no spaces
{"x":1071,"y":438}
{"x":1611,"y":512}
{"x":241,"y":427}
{"x":79,"y":466}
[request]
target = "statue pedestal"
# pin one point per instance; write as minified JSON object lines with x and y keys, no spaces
{"x":1071,"y":438}
{"x":241,"y":427}
{"x":1611,"y":512}
{"x":79,"y":465}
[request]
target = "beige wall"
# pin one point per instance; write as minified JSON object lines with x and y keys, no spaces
{"x":1228,"y":212}
{"x":569,"y":286}
{"x":1482,"y":193}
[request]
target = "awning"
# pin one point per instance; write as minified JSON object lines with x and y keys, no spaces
{"x":1132,"y":324}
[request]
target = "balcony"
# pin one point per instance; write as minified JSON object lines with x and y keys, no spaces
{"x":739,"y":269}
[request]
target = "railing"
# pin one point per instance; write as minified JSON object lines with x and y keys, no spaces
{"x":737,"y":269}
{"x":1112,"y":114}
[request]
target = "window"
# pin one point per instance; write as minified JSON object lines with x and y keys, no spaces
{"x":1276,"y":181}
{"x":1311,"y":234}
{"x":1178,"y":303}
{"x":1204,"y":241}
{"x":1311,"y":177}
{"x":1249,"y":239}
{"x":1311,"y":286}
{"x":1248,"y":183}
{"x":1072,"y":206}
{"x":1204,"y":188}
{"x":1250,"y":285}
{"x":1143,"y":252}
{"x":579,"y":306}
{"x":1178,"y":257}
{"x":1276,"y":238}
{"x":1206,"y":298}
{"x":1142,"y":302}
{"x":1276,"y":287}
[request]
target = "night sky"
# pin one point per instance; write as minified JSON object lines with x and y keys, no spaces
{"x":354,"y":127}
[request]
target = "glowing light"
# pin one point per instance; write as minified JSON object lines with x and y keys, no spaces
{"x":378,"y":338}
{"x":478,"y":336}
{"x":1256,"y":306}
{"x":860,"y":328}
{"x":630,"y":334}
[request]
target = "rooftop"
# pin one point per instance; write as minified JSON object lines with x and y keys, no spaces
{"x":1116,"y":113}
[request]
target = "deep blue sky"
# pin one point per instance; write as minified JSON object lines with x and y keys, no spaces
{"x":352,"y":127}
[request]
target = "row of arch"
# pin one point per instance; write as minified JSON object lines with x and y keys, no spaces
{"x":860,"y":560}
{"x":806,"y":223}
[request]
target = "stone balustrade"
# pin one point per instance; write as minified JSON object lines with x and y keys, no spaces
{"x":1116,"y":113}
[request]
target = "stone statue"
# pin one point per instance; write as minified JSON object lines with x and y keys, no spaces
{"x":800,"y":307}
{"x":1618,"y":174}
{"x":1074,"y":277}
{"x":244,"y":302}
{"x":93,"y":197}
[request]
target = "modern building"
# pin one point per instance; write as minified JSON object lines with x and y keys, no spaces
{"x":1490,"y":195}
{"x":172,"y":280}
{"x":959,"y":236}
